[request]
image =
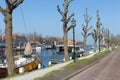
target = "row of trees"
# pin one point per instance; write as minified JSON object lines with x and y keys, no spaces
{"x":100,"y":35}
{"x":97,"y":33}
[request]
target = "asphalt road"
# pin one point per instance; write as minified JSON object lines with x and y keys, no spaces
{"x":107,"y":69}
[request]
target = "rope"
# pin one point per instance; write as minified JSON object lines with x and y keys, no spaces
{"x":24,"y":20}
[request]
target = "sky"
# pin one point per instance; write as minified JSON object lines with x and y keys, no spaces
{"x":42,"y":17}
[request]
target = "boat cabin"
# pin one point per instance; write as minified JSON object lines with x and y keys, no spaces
{"x":60,"y":48}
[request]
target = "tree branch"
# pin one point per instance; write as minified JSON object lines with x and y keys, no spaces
{"x":83,"y":28}
{"x":70,"y":27}
{"x":2,"y":10}
{"x":14,"y":1}
{"x":89,"y":28}
{"x":93,"y":35}
{"x":58,"y":8}
{"x":70,"y":1}
{"x":89,"y":34}
{"x":82,"y":34}
{"x":89,"y":19}
{"x":69,"y":18}
{"x":17,"y":3}
{"x":8,"y":2}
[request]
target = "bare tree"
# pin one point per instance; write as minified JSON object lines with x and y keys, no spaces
{"x":99,"y":40}
{"x":85,"y":29}
{"x":107,"y":38}
{"x":108,"y":41}
{"x":102,"y":40}
{"x":98,"y":25}
{"x":115,"y":40}
{"x":94,"y":35}
{"x":66,"y":28}
{"x":7,"y":13}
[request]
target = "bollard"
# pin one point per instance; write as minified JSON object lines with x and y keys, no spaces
{"x":21,"y":70}
{"x":70,"y":58}
{"x":49,"y":63}
{"x":39,"y":66}
{"x":63,"y":59}
{"x":80,"y":55}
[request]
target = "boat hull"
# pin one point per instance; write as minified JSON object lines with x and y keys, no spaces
{"x":27,"y":68}
{"x":3,"y":72}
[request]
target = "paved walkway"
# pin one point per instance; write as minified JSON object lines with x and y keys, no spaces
{"x":39,"y":73}
{"x":107,"y":69}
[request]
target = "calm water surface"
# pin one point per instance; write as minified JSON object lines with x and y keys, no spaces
{"x":46,"y":55}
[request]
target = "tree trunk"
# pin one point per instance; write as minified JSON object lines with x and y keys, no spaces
{"x":99,"y":45}
{"x":95,"y":46}
{"x":102,"y":44}
{"x":8,"y":45}
{"x":85,"y":46}
{"x":105,"y":44}
{"x":66,"y":47}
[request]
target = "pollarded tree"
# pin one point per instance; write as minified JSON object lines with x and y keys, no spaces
{"x":100,"y":36}
{"x":107,"y":38}
{"x":7,"y":13}
{"x":86,"y":29}
{"x":98,"y":26}
{"x":66,"y":28}
{"x":94,"y":35}
{"x":115,"y":40}
{"x":102,"y":40}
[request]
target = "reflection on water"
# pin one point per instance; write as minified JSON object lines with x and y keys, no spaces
{"x":46,"y":55}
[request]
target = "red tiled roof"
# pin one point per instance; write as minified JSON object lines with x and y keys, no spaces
{"x":71,"y":42}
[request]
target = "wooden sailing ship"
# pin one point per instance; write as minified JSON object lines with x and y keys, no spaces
{"x":23,"y":63}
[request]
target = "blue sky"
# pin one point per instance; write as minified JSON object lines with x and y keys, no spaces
{"x":41,"y":16}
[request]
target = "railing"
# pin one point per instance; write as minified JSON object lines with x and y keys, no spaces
{"x":27,"y":61}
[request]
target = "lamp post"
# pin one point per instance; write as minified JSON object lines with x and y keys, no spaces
{"x":74,"y":24}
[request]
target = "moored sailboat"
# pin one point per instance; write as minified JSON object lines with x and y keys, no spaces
{"x":23,"y":63}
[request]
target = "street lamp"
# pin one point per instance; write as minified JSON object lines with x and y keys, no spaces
{"x":74,"y":24}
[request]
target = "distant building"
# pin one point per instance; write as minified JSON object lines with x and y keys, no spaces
{"x":71,"y":42}
{"x":34,"y":39}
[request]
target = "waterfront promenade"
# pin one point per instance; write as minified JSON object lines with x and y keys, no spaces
{"x":41,"y":72}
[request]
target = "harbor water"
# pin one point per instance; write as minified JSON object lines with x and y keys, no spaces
{"x":46,"y":55}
